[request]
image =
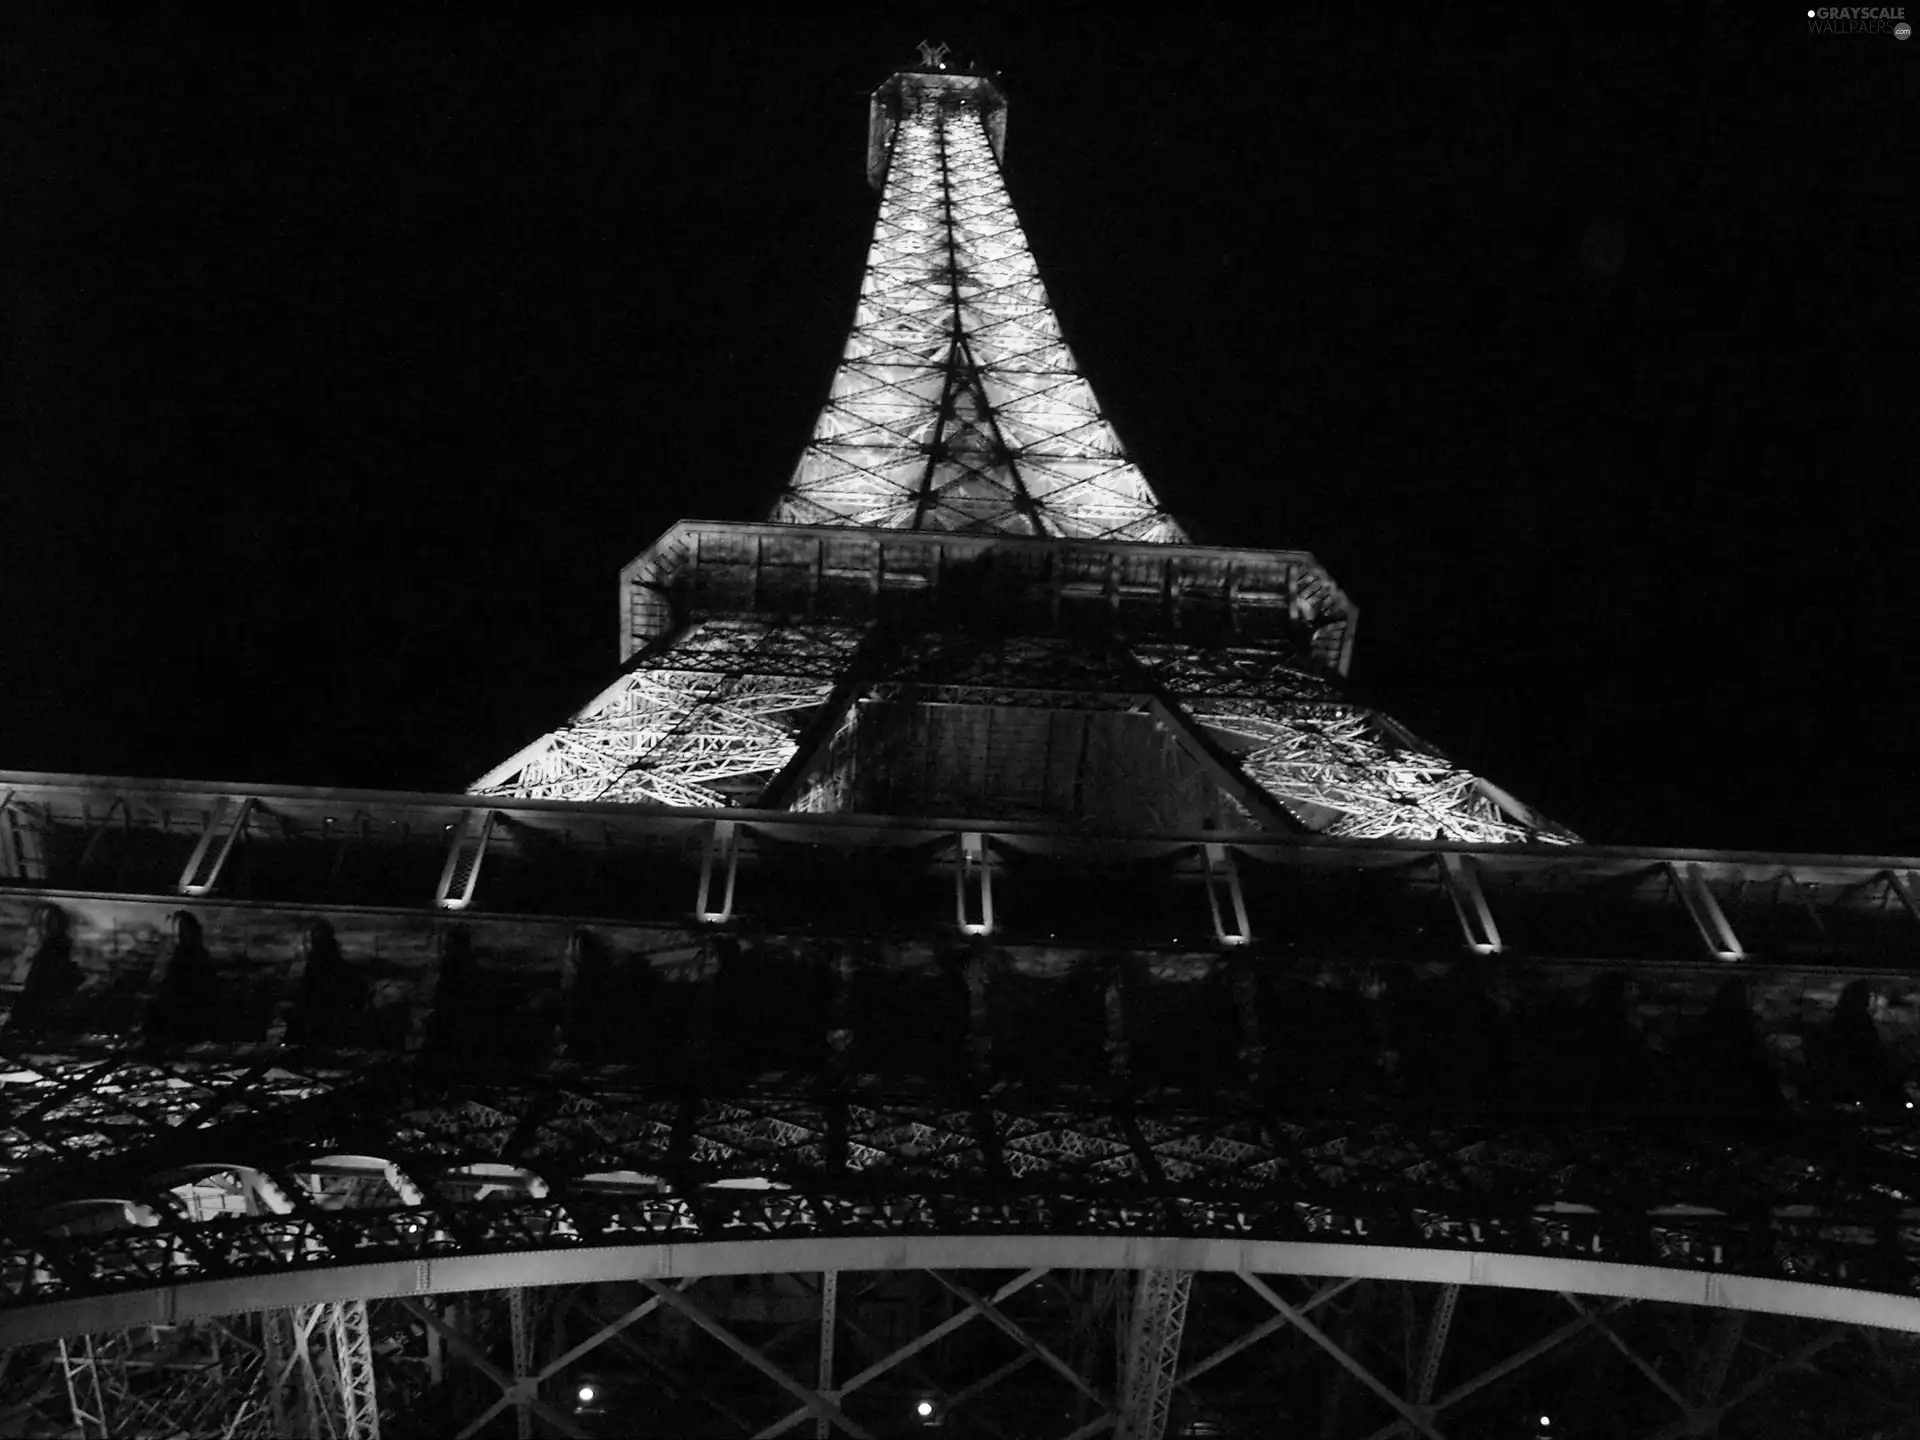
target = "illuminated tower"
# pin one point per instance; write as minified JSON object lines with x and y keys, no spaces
{"x":974,"y":969}
{"x":968,"y":600}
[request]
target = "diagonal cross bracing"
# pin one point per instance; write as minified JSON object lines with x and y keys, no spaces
{"x":957,"y":406}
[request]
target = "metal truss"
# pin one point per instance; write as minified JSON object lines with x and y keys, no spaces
{"x":300,"y":1374}
{"x":690,"y":722}
{"x":69,"y":1110}
{"x":1332,"y":756}
{"x":200,"y":1380}
{"x":1158,"y":1324}
{"x":957,"y":405}
{"x":718,"y":712}
{"x":999,"y":1353}
{"x":320,"y":1372}
{"x":406,"y":1170}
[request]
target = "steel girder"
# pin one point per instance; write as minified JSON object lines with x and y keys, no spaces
{"x":999,"y":1353}
{"x":957,"y":405}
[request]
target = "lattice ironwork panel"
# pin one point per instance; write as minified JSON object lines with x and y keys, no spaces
{"x":714,"y":709}
{"x":443,"y":1167}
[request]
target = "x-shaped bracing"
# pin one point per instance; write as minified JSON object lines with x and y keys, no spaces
{"x":974,"y":1306}
{"x":1699,"y":1418}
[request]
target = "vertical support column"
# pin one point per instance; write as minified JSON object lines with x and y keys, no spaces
{"x":1709,"y":1378}
{"x":1462,"y":879}
{"x":81,"y":1368}
{"x":1158,"y":1324}
{"x":466,"y":849}
{"x":22,"y":855}
{"x":522,"y":1362}
{"x":225,"y":826}
{"x":352,"y":1342}
{"x":1436,"y":1345}
{"x":719,"y":868}
{"x":829,"y":1322}
{"x":331,"y":1396}
{"x":973,"y":885}
{"x":1690,"y":882}
{"x":1224,"y":897}
{"x":295,"y":1390}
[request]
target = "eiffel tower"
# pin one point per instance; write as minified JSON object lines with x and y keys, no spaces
{"x":975,"y":968}
{"x":968,"y":600}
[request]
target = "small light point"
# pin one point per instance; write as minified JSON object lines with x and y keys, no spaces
{"x":924,"y":1409}
{"x":586,"y":1394}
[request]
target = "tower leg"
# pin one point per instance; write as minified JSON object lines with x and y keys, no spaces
{"x":352,"y":1346}
{"x":829,"y":1320}
{"x":522,"y":1326}
{"x":81,"y":1368}
{"x":1156,"y":1328}
{"x":320,"y":1372}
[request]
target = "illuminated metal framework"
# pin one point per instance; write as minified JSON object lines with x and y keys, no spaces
{"x":826,"y":671}
{"x":975,"y":968}
{"x":962,"y":478}
{"x":957,"y":405}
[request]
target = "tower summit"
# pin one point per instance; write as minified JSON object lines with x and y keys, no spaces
{"x":968,"y":600}
{"x":957,"y":406}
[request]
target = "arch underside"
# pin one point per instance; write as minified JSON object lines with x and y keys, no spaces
{"x":453,"y":1273}
{"x":280,"y":1184}
{"x":498,"y":1200}
{"x":1063,"y":1335}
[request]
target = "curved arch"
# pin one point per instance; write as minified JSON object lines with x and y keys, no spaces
{"x":573,"y":1265}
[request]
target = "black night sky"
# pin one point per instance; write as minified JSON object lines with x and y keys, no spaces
{"x":346,"y":366}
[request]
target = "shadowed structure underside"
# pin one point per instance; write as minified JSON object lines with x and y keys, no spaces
{"x":306,"y":1095}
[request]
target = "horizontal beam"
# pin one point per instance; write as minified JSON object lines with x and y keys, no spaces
{"x":579,"y":1265}
{"x":45,"y":792}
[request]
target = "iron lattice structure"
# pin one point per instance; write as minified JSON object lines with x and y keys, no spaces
{"x":957,"y":405}
{"x":1158,"y":1134}
{"x":957,"y":417}
{"x":976,"y":968}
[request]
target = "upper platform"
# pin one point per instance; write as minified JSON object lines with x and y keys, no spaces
{"x":701,"y":569}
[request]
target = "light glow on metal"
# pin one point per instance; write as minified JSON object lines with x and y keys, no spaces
{"x":957,"y":405}
{"x":722,"y":702}
{"x":958,"y":408}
